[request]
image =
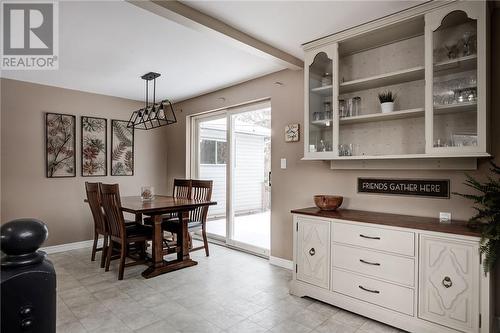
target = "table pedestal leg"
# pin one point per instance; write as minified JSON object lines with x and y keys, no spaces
{"x":160,"y":266}
{"x":183,"y":237}
{"x":157,"y":241}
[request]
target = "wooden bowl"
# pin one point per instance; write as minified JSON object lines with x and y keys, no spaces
{"x":328,"y":202}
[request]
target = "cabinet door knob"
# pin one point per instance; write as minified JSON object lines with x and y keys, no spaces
{"x":312,"y":251}
{"x":447,"y":282}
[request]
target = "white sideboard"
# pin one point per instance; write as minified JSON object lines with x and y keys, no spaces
{"x":411,"y":273}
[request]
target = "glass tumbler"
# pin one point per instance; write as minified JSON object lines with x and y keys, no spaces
{"x":356,"y":106}
{"x":342,"y":108}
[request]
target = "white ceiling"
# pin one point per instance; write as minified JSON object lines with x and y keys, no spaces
{"x":106,"y":45}
{"x":289,"y":24}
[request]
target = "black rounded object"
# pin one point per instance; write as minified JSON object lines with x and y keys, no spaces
{"x":22,"y":236}
{"x":20,"y":239}
{"x":28,"y":279}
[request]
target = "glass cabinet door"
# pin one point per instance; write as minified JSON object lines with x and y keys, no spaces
{"x":320,"y":108}
{"x":457,"y":109}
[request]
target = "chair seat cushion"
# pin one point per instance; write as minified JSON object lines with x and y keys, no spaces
{"x":138,"y":230}
{"x":173,"y":224}
{"x":129,"y":223}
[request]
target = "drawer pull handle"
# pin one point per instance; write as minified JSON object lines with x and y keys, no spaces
{"x":369,"y":263}
{"x":447,"y":282}
{"x":369,"y":237}
{"x":369,"y":290}
{"x":312,"y":251}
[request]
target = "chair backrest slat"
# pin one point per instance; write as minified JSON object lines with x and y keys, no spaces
{"x":94,"y":201}
{"x":110,"y":197}
{"x":201,"y":190}
{"x":182,"y":188}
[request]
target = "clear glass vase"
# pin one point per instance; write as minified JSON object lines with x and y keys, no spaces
{"x":147,"y":193}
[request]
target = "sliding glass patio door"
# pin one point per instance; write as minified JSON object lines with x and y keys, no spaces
{"x":233,"y":148}
{"x":211,"y":161}
{"x":250,"y":175}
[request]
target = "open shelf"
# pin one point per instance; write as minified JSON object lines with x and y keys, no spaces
{"x":322,"y":123}
{"x":455,"y":108}
{"x":411,"y":113}
{"x":323,"y":90}
{"x":387,"y":79}
{"x":451,"y":66}
{"x":383,"y":36}
{"x":410,"y":156}
{"x":463,"y":63}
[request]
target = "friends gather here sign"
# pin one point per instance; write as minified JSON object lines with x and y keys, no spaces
{"x":436,"y":188}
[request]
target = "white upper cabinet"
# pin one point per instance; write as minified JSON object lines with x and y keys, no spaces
{"x":456,"y":79}
{"x":320,"y":102}
{"x":432,"y":58}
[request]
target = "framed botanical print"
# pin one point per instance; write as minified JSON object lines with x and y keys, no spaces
{"x":60,"y":145}
{"x":122,"y":145}
{"x":94,"y":146}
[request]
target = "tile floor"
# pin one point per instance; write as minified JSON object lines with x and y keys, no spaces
{"x":253,"y":229}
{"x":230,"y":292}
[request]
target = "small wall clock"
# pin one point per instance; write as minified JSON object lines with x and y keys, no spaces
{"x":292,"y":133}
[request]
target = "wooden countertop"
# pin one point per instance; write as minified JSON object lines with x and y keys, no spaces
{"x":393,"y":220}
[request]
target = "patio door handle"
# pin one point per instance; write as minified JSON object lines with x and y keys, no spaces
{"x":269,"y":179}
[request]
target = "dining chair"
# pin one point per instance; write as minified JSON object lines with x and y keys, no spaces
{"x":121,"y":235}
{"x":100,"y":227}
{"x":200,"y":190}
{"x":182,"y":189}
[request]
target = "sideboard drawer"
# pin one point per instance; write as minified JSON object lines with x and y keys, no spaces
{"x":384,"y":294}
{"x":385,"y":266}
{"x":401,"y":242}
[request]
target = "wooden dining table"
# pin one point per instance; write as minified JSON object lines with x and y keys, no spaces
{"x":156,"y":208}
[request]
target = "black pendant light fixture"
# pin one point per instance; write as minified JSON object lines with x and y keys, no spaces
{"x":152,"y":115}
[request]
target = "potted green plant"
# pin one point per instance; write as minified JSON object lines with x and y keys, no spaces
{"x":386,"y":99}
{"x":487,"y":217}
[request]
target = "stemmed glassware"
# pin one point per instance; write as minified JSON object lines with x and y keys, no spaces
{"x":454,"y":91}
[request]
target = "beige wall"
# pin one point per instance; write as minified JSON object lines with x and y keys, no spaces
{"x":26,"y":192}
{"x":295,"y":186}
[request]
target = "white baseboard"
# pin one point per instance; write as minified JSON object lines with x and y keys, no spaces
{"x":283,"y":263}
{"x":70,"y":246}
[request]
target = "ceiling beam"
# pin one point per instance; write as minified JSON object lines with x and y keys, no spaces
{"x":192,"y":18}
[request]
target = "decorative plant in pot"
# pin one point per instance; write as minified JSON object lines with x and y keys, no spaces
{"x":386,"y":99}
{"x":487,"y":218}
